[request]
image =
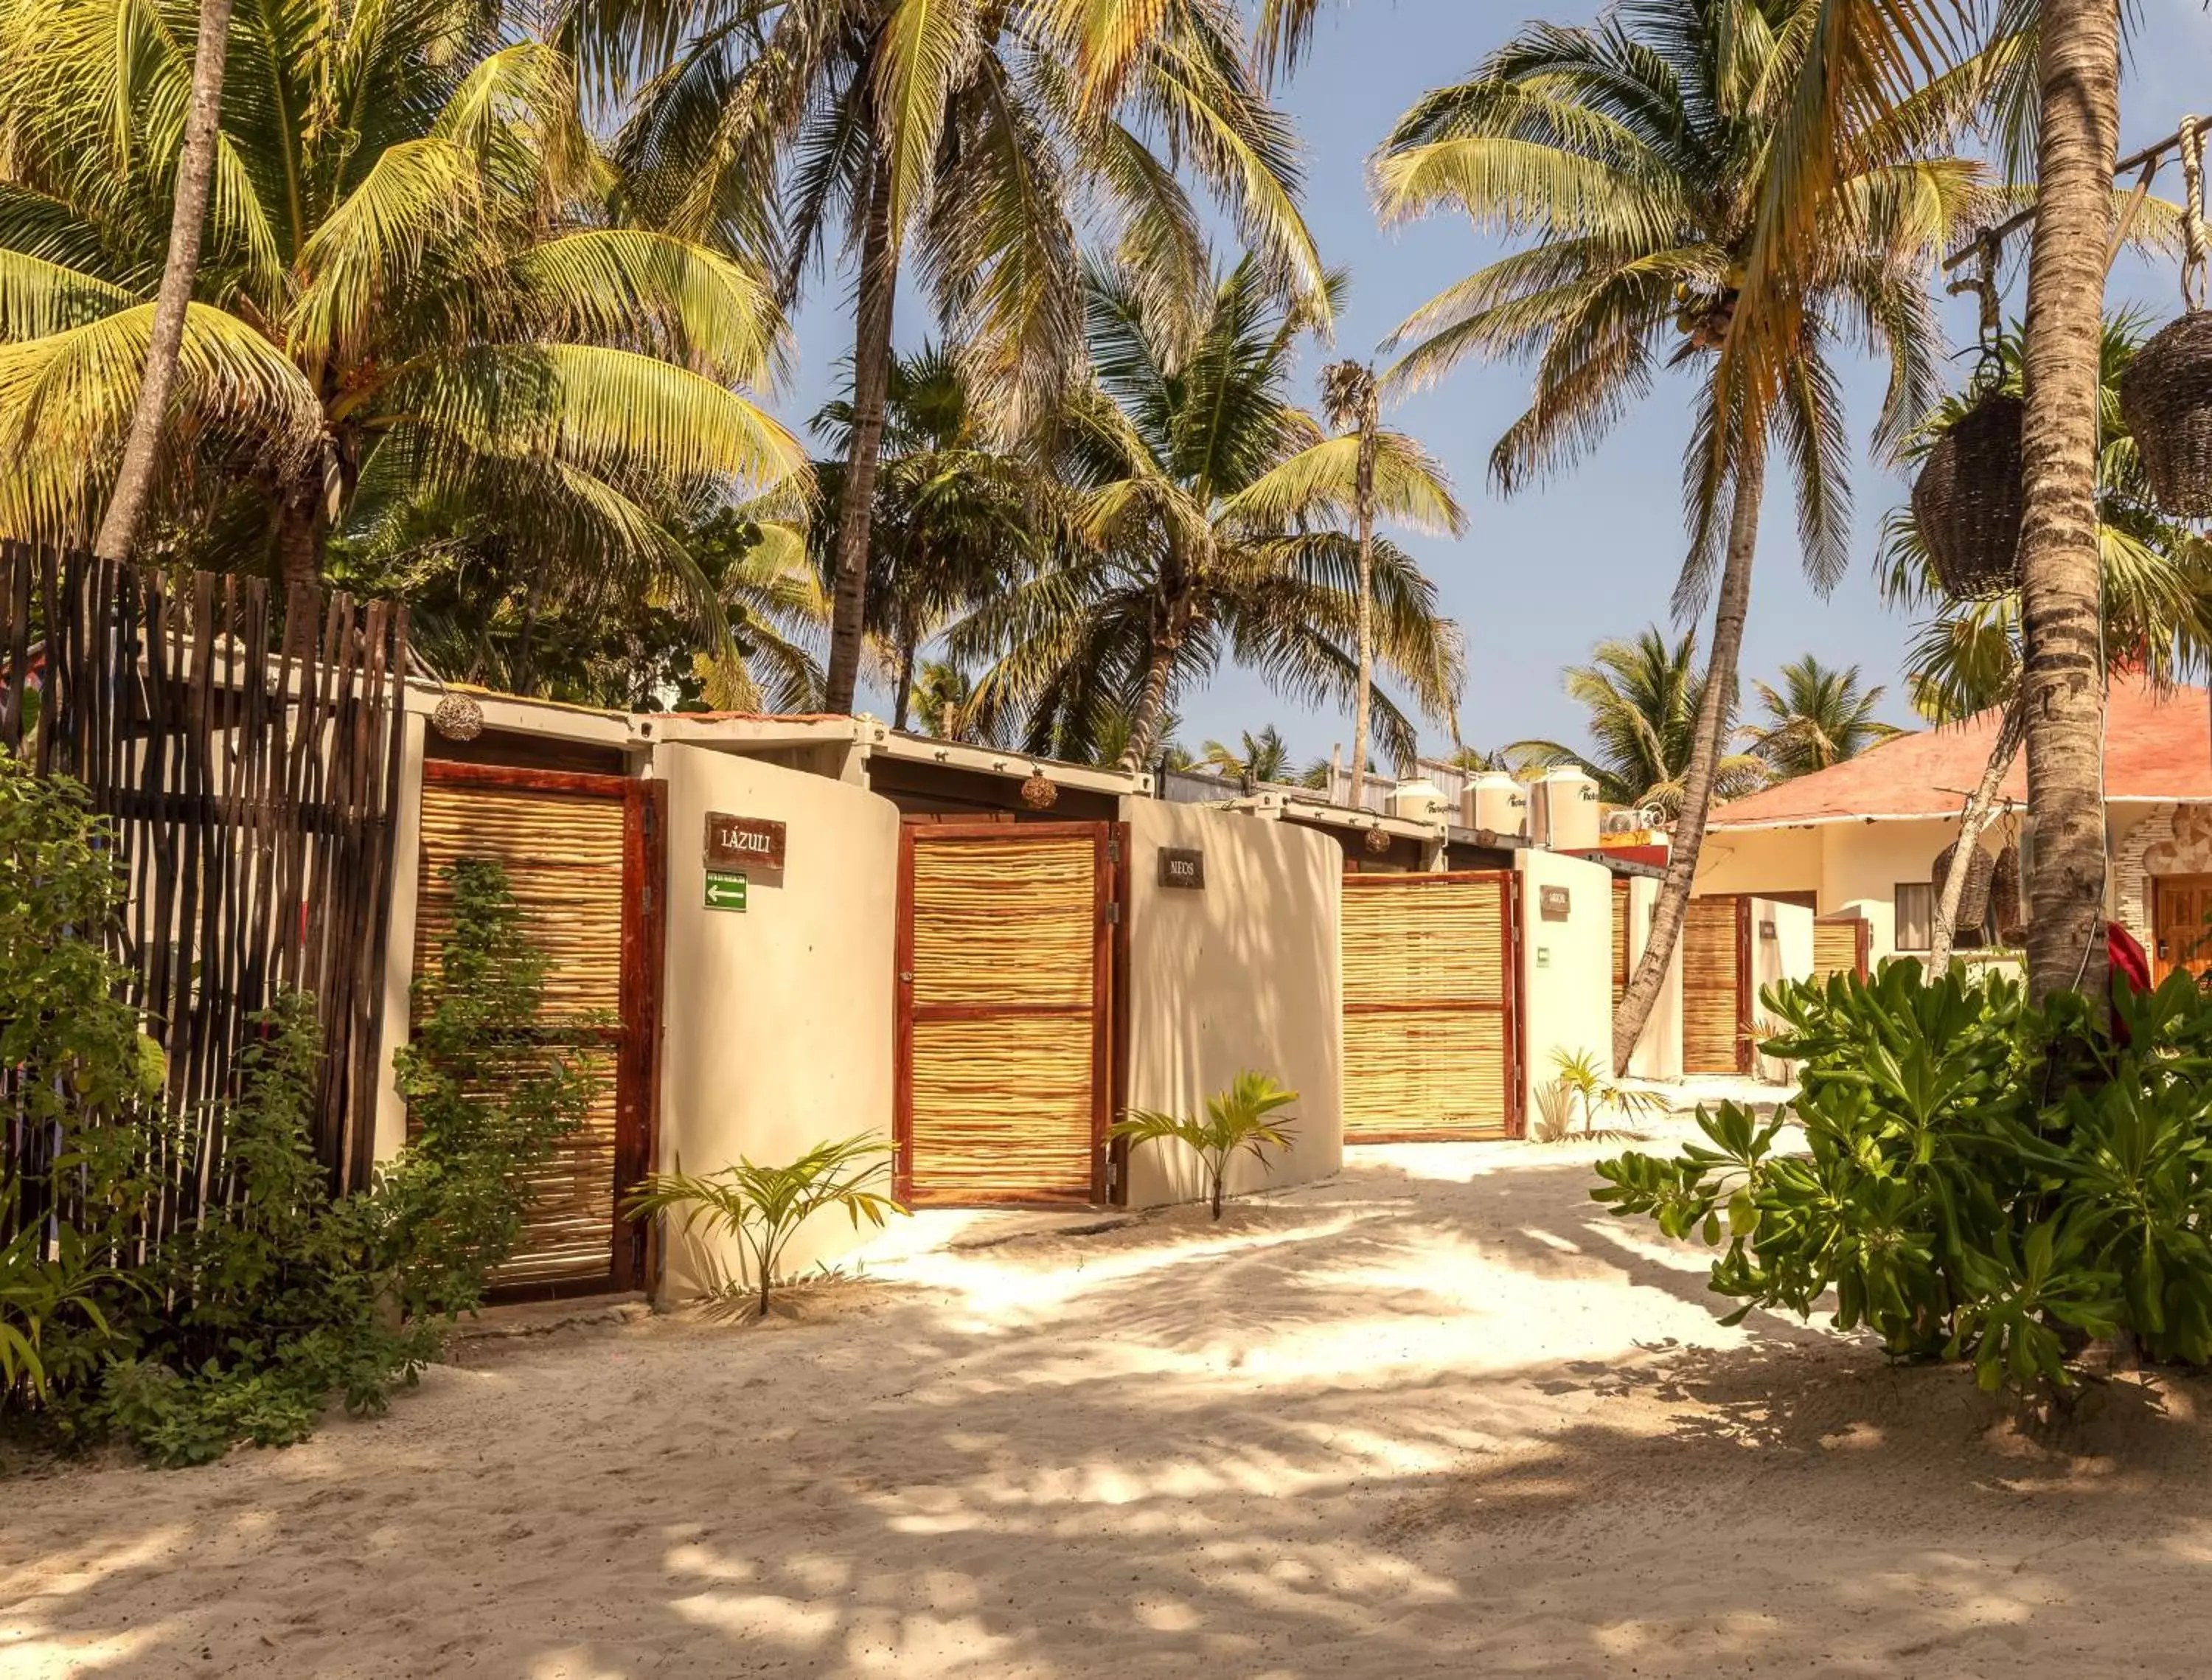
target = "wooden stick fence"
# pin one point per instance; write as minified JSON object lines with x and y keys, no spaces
{"x":246,"y":753}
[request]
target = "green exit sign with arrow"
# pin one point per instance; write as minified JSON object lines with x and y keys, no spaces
{"x":726,"y":890}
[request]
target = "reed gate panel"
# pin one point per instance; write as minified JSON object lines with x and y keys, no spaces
{"x":1431,"y":1007}
{"x":1005,"y":1011}
{"x":1717,"y":1031}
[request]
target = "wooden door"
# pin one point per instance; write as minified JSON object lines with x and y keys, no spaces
{"x":1716,"y":986}
{"x":1839,"y":945}
{"x":1005,"y":1018}
{"x":584,"y":855}
{"x":2181,"y":921}
{"x":1431,"y":1022}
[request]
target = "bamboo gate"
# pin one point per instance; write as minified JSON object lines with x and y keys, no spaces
{"x":245,"y":752}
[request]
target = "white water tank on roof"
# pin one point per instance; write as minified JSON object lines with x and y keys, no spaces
{"x":1417,"y":801}
{"x":1565,"y":809}
{"x":1495,"y":802}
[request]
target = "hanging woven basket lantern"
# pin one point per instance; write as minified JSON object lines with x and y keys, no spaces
{"x":2166,"y":398}
{"x":2008,"y":903}
{"x":1966,"y":501}
{"x":2165,"y":393}
{"x":1981,"y":877}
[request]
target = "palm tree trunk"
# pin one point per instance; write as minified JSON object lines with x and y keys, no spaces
{"x":300,"y":507}
{"x":1363,"y":491}
{"x":902,"y":702}
{"x":1673,"y":904}
{"x":1151,"y":707}
{"x":134,"y":480}
{"x":1973,"y":821}
{"x":2062,"y":687}
{"x":871,"y":362}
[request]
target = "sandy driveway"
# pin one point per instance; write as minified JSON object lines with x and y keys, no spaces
{"x":1441,"y":1416}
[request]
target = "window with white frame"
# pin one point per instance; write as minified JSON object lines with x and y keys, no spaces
{"x":1915,"y":916}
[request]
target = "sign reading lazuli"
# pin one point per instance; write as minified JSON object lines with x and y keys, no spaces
{"x":726,"y":890}
{"x":1182,"y":867}
{"x":753,"y":844}
{"x":1553,"y":902}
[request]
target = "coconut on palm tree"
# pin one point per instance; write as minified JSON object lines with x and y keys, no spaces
{"x":1204,"y":513}
{"x":1637,"y":156}
{"x":960,"y":145}
{"x":1643,"y":697}
{"x":428,"y":302}
{"x":1819,"y":717}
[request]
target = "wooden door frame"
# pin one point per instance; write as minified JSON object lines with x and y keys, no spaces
{"x":1514,"y":1028}
{"x":644,"y":939}
{"x":1747,"y":1049}
{"x":1109,"y":933}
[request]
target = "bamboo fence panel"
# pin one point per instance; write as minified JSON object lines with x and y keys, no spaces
{"x":1003,"y":1075}
{"x":1004,"y":921}
{"x":244,"y":749}
{"x":563,"y":855}
{"x":1428,"y":1028}
{"x":1713,"y":1024}
{"x":1837,"y":945}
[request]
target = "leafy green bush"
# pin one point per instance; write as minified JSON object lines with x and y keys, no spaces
{"x":274,"y":1295}
{"x":1237,"y":1119}
{"x":762,"y":1207}
{"x":1982,"y":1179}
{"x":77,"y":1084}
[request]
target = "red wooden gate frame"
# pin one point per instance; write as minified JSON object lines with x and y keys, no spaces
{"x":644,"y":928}
{"x":1746,"y":1051}
{"x":1514,"y":1036}
{"x":1109,"y":933}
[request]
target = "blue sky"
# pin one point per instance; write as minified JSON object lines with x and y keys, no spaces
{"x":1541,"y":577}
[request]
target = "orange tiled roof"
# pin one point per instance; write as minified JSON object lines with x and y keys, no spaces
{"x":2157,"y":746}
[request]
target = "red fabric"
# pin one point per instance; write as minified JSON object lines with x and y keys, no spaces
{"x":2130,"y":967}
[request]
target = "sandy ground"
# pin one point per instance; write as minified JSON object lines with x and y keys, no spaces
{"x":1440,"y":1416}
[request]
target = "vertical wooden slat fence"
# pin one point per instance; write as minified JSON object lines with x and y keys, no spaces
{"x":245,"y":753}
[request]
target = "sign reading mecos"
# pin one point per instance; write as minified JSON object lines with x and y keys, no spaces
{"x":751,"y":843}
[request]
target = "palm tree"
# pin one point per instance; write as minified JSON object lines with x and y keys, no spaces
{"x":1348,"y":401}
{"x":2061,"y":106}
{"x":1265,"y":757}
{"x":964,"y":142}
{"x":1203,"y":501}
{"x":1819,"y":717}
{"x":941,"y":696}
{"x":2156,"y":595}
{"x":1639,"y":155}
{"x":953,"y":519}
{"x":1645,"y":698}
{"x":429,"y":303}
{"x":134,"y":478}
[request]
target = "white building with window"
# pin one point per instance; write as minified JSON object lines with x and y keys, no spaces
{"x":1863,"y":838}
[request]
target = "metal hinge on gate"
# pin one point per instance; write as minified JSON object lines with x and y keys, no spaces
{"x":1113,"y":916}
{"x":1113,"y":851}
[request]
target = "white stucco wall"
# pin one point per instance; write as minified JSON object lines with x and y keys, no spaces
{"x":1759,"y":859}
{"x":1566,"y":967}
{"x":1244,"y":973}
{"x":776,"y":1029}
{"x":1780,"y":950}
{"x":1659,"y":1048}
{"x":399,"y":941}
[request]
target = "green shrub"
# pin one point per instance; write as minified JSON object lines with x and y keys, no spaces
{"x":1982,"y":1179}
{"x":762,"y":1207}
{"x":1240,"y":1118}
{"x":243,"y":1321}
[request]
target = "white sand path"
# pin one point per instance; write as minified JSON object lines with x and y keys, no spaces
{"x":1440,"y":1416}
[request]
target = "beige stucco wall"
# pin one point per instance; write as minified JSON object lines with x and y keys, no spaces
{"x":776,"y":1029}
{"x":1759,"y":859}
{"x":1785,"y":954}
{"x":1243,"y":974}
{"x":1863,"y":863}
{"x":399,"y":941}
{"x":1566,"y":967}
{"x":1658,"y":1052}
